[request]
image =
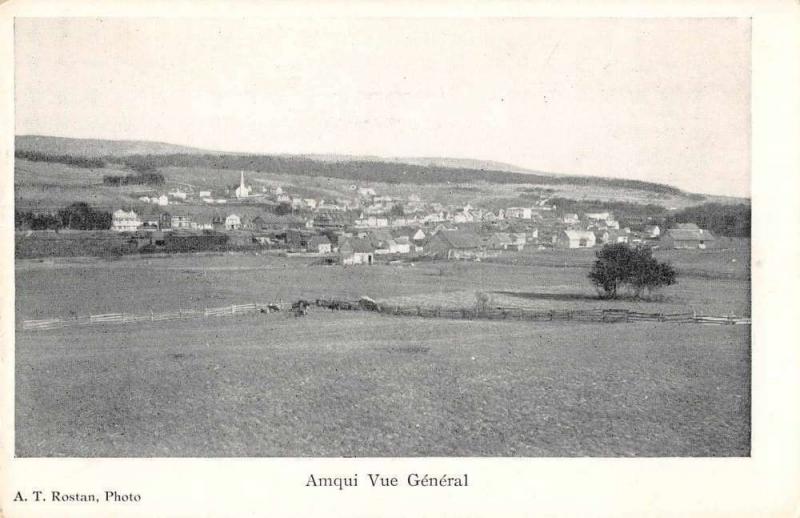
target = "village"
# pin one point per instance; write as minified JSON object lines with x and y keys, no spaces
{"x":359,"y":229}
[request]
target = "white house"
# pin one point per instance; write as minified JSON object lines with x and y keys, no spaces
{"x":570,"y":219}
{"x":161,"y":201}
{"x":177,"y":193}
{"x":652,"y":231}
{"x":233,"y":222}
{"x":204,"y":194}
{"x":144,"y":199}
{"x":574,"y":239}
{"x":518,"y":212}
{"x":124,"y":221}
{"x":311,"y":202}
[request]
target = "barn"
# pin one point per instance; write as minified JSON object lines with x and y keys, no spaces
{"x":574,"y":239}
{"x":687,"y":238}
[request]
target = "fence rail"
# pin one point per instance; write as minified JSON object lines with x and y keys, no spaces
{"x":494,"y":313}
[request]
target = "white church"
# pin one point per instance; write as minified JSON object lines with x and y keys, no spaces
{"x":242,"y":191}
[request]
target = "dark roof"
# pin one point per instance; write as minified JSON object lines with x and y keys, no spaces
{"x":359,"y":245}
{"x":681,"y":234}
{"x":318,"y":240}
{"x":460,"y":239}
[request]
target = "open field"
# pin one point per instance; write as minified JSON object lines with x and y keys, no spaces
{"x":63,"y":288}
{"x":363,"y":384}
{"x":360,"y":384}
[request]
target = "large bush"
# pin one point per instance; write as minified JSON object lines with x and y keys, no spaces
{"x":620,"y":266}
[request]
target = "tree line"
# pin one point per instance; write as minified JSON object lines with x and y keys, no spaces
{"x":364,"y":171}
{"x":75,"y":161}
{"x":722,"y":220}
{"x":77,"y":216}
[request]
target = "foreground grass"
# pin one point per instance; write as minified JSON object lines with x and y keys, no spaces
{"x":359,"y":384}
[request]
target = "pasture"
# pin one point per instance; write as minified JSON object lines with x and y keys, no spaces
{"x":363,"y":384}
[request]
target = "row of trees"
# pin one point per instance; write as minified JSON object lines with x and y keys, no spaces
{"x":362,"y":170}
{"x":139,"y":178}
{"x":620,"y":266}
{"x":723,"y":220}
{"x":75,"y":161}
{"x":77,"y":216}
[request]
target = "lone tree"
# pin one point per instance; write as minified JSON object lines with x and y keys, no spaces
{"x":620,"y":265}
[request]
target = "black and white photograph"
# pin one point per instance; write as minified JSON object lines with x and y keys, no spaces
{"x":382,"y":237}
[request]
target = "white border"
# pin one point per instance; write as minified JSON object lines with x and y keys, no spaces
{"x":768,"y":483}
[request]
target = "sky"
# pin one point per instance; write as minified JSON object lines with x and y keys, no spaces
{"x":662,"y":100}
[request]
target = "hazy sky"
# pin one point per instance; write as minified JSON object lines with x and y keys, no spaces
{"x":658,"y":100}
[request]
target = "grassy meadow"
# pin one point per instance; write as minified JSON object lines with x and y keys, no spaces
{"x":363,"y":384}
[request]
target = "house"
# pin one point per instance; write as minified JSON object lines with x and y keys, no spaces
{"x":598,"y":216}
{"x":233,"y":222}
{"x":455,"y":244}
{"x":618,"y":236}
{"x":687,"y":238}
{"x":601,"y":237}
{"x":652,"y":231}
{"x":686,"y":226}
{"x":574,"y":239}
{"x":507,"y":241}
{"x":356,"y":251}
{"x":243,"y":191}
{"x":518,"y":213}
{"x":161,"y":201}
{"x":177,"y":193}
{"x":181,"y":222}
{"x":204,"y":194}
{"x":570,"y":219}
{"x":319,"y":245}
{"x":164,"y":221}
{"x":202,"y":223}
{"x":400,"y":245}
{"x":144,"y":199}
{"x":125,"y":221}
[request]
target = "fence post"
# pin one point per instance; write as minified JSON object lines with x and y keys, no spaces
{"x":233,"y":309}
{"x":152,"y":315}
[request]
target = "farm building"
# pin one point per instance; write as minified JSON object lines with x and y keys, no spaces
{"x":455,"y":244}
{"x":125,"y":221}
{"x":356,"y":251}
{"x":319,"y":245}
{"x":233,"y":222}
{"x":574,"y":239}
{"x":687,"y":238}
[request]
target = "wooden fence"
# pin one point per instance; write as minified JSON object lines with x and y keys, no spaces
{"x":494,"y":313}
{"x":125,"y":318}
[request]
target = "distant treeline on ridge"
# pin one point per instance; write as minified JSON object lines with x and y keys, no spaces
{"x":375,"y":171}
{"x":354,"y":170}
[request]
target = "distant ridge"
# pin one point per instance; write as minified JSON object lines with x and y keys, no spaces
{"x":409,"y":170}
{"x":93,"y":148}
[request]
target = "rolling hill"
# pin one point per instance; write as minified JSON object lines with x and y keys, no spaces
{"x":448,"y":173}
